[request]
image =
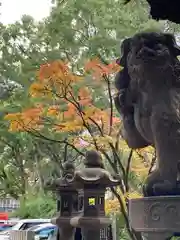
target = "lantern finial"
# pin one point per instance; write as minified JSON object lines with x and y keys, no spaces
{"x":68,"y":168}
{"x":93,"y":160}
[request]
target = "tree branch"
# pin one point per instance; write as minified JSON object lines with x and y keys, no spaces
{"x":39,"y":135}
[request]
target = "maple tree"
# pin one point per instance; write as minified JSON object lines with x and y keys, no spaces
{"x":83,"y":32}
{"x":68,"y":108}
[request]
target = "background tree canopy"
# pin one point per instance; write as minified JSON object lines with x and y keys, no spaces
{"x":84,"y":36}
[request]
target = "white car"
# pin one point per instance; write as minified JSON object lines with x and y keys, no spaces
{"x":23,"y":224}
{"x":43,"y":231}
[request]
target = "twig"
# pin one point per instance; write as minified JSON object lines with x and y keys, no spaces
{"x":56,"y":158}
{"x":118,"y":159}
{"x":111,"y":104}
{"x":117,"y":139}
{"x":65,"y":151}
{"x":127,"y":170}
{"x":152,"y":163}
{"x":124,"y":214}
{"x":82,"y":113}
{"x":113,"y":166}
{"x":53,"y":140}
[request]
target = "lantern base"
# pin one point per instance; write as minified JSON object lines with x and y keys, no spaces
{"x":90,"y":222}
{"x":66,"y":231}
{"x":61,"y":221}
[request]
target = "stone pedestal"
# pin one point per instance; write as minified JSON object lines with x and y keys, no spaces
{"x":90,"y":226}
{"x":157,"y":218}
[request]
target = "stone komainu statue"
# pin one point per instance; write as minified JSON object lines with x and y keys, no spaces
{"x":150,"y":104}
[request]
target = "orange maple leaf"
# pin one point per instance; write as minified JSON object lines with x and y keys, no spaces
{"x":99,"y":69}
{"x":53,"y":111}
{"x":12,"y":116}
{"x":113,"y":67}
{"x":70,"y":112}
{"x":84,"y":97}
{"x":91,"y":64}
{"x":50,"y":69}
{"x":84,"y":93}
{"x":85,"y":102}
{"x":39,"y":89}
{"x":15,"y":126}
{"x":33,"y":112}
{"x":57,"y":74}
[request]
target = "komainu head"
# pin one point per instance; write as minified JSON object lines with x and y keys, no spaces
{"x":152,"y":55}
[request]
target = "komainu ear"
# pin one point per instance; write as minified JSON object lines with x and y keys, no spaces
{"x":172,"y":45}
{"x":125,"y":49}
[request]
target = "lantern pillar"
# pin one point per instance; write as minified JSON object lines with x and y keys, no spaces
{"x":67,"y":202}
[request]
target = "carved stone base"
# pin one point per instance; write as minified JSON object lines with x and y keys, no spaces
{"x":156,"y":236}
{"x":156,"y":217}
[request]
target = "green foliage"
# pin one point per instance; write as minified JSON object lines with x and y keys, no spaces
{"x":95,"y":27}
{"x":76,"y":30}
{"x":42,"y":206}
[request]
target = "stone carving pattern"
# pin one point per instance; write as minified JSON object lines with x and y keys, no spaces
{"x":158,"y":212}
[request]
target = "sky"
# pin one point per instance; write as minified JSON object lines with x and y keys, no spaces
{"x":12,"y":10}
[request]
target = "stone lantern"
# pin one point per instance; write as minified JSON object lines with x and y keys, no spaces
{"x":92,"y":182}
{"x":67,"y":206}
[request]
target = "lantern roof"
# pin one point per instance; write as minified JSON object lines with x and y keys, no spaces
{"x":65,"y":182}
{"x":95,"y":176}
{"x":94,"y":173}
